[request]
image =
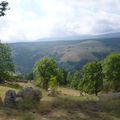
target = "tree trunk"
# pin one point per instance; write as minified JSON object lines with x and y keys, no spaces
{"x":45,"y":84}
{"x":96,"y":93}
{"x":1,"y":80}
{"x":96,"y":88}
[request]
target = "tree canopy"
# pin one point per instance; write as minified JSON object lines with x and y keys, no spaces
{"x":3,"y":7}
{"x":6,"y":63}
{"x":92,"y":78}
{"x":47,"y":70}
{"x":111,"y":70}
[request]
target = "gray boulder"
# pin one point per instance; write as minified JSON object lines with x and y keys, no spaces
{"x":10,"y":98}
{"x":27,"y":92}
{"x":30,"y":94}
{"x":37,"y":95}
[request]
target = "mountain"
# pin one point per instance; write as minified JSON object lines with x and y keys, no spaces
{"x":83,"y":37}
{"x":69,"y":54}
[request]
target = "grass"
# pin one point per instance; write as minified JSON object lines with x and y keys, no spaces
{"x":68,"y":91}
{"x":14,"y":86}
{"x":112,"y":106}
{"x":63,"y":107}
{"x":3,"y":90}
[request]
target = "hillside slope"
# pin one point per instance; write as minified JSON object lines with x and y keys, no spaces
{"x":68,"y":54}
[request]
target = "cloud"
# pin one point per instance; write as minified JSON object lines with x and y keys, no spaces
{"x":30,"y":20}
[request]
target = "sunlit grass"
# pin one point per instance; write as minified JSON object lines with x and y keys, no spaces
{"x":65,"y":106}
{"x":3,"y":90}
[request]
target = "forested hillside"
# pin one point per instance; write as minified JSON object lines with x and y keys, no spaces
{"x":70,"y":55}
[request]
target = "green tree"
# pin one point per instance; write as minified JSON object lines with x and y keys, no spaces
{"x":53,"y":82}
{"x":6,"y":63}
{"x":3,"y":7}
{"x":111,"y":70}
{"x":29,"y":76}
{"x":69,"y":79}
{"x":60,"y":76}
{"x":44,"y":70}
{"x":75,"y":80}
{"x":92,"y":79}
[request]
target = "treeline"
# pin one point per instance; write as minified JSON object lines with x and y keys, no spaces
{"x":94,"y":77}
{"x":6,"y":63}
{"x":97,"y":76}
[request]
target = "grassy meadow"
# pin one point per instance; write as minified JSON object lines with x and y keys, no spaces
{"x":67,"y":105}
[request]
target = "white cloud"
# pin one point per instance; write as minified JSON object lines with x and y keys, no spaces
{"x":33,"y":19}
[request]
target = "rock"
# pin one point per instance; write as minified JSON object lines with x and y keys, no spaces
{"x":37,"y":95}
{"x":27,"y":92}
{"x":51,"y":92}
{"x":83,"y":94}
{"x":19,"y":94}
{"x":18,"y":99}
{"x":30,"y":93}
{"x":10,"y":98}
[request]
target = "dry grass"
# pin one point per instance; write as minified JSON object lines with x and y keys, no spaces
{"x":28,"y":84}
{"x":68,"y":91}
{"x":3,"y":90}
{"x":66,"y":106}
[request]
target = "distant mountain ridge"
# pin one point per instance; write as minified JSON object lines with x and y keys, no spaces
{"x":83,"y":37}
{"x":69,"y":54}
{"x":75,"y":37}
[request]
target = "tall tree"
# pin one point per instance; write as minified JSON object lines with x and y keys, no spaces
{"x":111,"y":70}
{"x":60,"y":76}
{"x":69,"y":79}
{"x":75,"y":80}
{"x":6,"y":63}
{"x":45,"y":69}
{"x":3,"y":7}
{"x":92,"y":79}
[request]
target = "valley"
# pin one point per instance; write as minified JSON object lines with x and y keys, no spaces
{"x":69,"y":55}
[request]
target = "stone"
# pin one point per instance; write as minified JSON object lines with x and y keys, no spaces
{"x":37,"y":95}
{"x":10,"y":98}
{"x":30,"y":93}
{"x":19,"y":94}
{"x":27,"y":92}
{"x":51,"y":92}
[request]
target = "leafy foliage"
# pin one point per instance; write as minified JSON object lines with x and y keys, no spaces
{"x":69,"y":79}
{"x":73,"y":80}
{"x":111,"y":70}
{"x":53,"y":83}
{"x":92,"y":79}
{"x":6,"y":63}
{"x":46,"y":69}
{"x":60,"y":76}
{"x":70,"y":55}
{"x":3,"y":8}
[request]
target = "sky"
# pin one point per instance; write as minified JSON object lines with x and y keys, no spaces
{"x":29,"y":20}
